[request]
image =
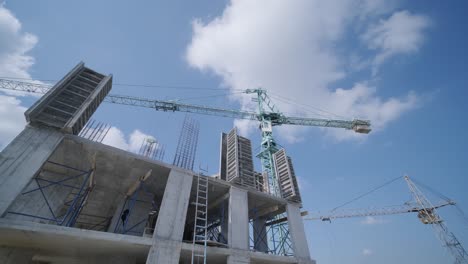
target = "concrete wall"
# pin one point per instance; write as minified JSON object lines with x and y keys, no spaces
{"x":22,"y":159}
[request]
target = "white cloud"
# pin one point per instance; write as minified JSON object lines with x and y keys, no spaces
{"x":304,"y":184}
{"x":370,"y":220}
{"x":401,"y":33}
{"x":292,"y":48}
{"x":116,"y":138}
{"x":14,"y":45}
{"x":11,"y":118}
{"x":367,"y":252}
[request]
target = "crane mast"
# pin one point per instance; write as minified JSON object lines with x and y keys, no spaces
{"x":429,"y":215}
{"x":268,"y":145}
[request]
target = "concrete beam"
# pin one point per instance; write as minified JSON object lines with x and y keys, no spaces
{"x":22,"y":159}
{"x":164,"y":251}
{"x":297,"y":233}
{"x":15,"y":256}
{"x":167,"y":237}
{"x":238,"y":231}
{"x":236,"y":258}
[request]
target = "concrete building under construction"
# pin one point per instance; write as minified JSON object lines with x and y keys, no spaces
{"x":69,"y":199}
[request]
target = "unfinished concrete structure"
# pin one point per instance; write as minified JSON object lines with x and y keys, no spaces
{"x":68,"y":199}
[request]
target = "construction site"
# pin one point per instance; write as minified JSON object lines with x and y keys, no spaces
{"x":68,"y":198}
{"x":80,"y":201}
{"x":65,"y":197}
{"x":233,"y":132}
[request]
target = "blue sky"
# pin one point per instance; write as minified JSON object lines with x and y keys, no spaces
{"x":401,"y":64}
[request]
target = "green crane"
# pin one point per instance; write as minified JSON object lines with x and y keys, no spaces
{"x":267,"y":114}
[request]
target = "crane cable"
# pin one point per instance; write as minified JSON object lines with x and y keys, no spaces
{"x":304,"y":106}
{"x":180,"y":87}
{"x":161,"y":86}
{"x":447,"y":199}
{"x":369,"y":192}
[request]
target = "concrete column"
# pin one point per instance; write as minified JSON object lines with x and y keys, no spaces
{"x":238,"y":231}
{"x":167,"y":237}
{"x":225,"y":220}
{"x":260,"y":235}
{"x":22,"y":159}
{"x":297,"y":234}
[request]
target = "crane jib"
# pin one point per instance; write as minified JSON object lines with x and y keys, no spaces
{"x":275,"y":117}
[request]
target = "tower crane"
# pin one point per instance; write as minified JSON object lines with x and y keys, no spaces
{"x":427,"y":214}
{"x":267,"y":114}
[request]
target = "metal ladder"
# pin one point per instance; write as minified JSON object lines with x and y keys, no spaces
{"x":201,"y":219}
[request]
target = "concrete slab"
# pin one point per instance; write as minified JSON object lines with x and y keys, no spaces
{"x":72,"y":242}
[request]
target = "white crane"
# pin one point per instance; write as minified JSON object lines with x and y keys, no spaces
{"x":427,"y":214}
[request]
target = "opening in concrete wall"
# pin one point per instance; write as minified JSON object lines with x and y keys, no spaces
{"x":217,"y":214}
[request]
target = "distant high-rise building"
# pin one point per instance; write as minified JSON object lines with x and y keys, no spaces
{"x":261,"y":182}
{"x":236,"y":160}
{"x":286,"y":177}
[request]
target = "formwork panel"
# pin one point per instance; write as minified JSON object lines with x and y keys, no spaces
{"x":69,"y":104}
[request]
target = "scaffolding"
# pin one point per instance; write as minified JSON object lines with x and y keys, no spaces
{"x":187,"y":145}
{"x":269,"y":233}
{"x":79,"y":184}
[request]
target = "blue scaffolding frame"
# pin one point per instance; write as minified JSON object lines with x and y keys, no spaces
{"x":74,"y":205}
{"x":278,"y":228}
{"x":256,"y":233}
{"x":276,"y":237}
{"x":129,"y":204}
